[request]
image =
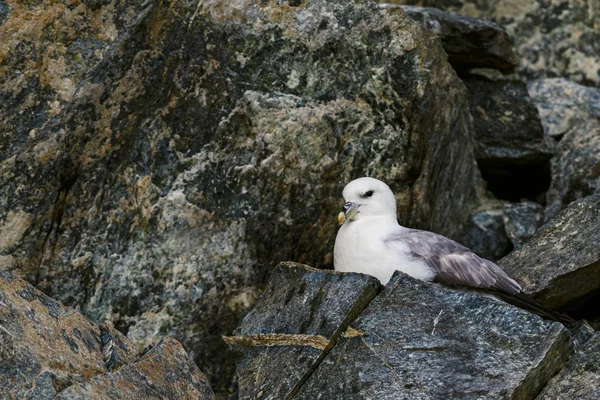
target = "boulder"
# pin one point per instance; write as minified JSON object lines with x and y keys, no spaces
{"x":48,"y":350}
{"x":485,"y":232}
{"x":164,"y":372}
{"x":157,"y":181}
{"x":44,"y":346}
{"x":414,"y":340}
{"x":511,"y":149}
{"x":551,"y":38}
{"x":297,"y":321}
{"x":470,"y":42}
{"x":563,"y":104}
{"x":580,"y":377}
{"x":423,"y":341}
{"x":560,"y":263}
{"x":522,"y":220}
{"x":497,"y":227}
{"x":571,"y":115}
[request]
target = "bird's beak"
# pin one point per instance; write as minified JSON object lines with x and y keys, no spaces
{"x":348,"y":213}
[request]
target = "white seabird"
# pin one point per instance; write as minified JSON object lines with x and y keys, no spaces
{"x":371,"y":241}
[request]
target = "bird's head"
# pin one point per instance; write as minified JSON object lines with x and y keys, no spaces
{"x":367,"y":197}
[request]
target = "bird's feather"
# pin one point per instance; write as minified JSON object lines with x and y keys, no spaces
{"x":453,"y":263}
{"x":456,"y":265}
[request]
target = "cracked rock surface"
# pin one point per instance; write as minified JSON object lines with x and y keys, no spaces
{"x":48,"y":350}
{"x":414,"y":340}
{"x":301,"y":314}
{"x":580,"y":377}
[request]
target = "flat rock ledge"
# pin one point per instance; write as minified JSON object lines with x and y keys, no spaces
{"x":412,"y":341}
{"x":50,"y":351}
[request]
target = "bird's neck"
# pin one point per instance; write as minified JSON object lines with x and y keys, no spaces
{"x":380,"y":219}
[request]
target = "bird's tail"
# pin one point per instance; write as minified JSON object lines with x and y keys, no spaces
{"x":526,"y":302}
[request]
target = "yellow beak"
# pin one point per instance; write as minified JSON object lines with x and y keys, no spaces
{"x":348,"y":213}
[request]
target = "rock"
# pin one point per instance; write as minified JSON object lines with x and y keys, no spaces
{"x":297,"y":321}
{"x":563,"y":104}
{"x":570,"y":114}
{"x":116,"y":351}
{"x":485,"y":233}
{"x":511,"y":149}
{"x":164,"y":372}
{"x":560,"y":263}
{"x":157,"y":181}
{"x":423,"y":341}
{"x":48,"y":350}
{"x":580,"y":378}
{"x":44,"y":346}
{"x":551,"y":38}
{"x":522,"y":220}
{"x":497,"y":227}
{"x":469,"y":42}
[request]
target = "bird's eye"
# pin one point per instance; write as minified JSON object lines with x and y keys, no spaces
{"x":368,"y":194}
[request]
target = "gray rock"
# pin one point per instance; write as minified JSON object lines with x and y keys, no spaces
{"x":48,"y":350}
{"x":522,"y":220}
{"x":164,"y":372}
{"x":560,"y":263}
{"x":44,"y":346}
{"x":470,"y":42}
{"x":563,"y":104}
{"x":485,"y":233}
{"x":158,"y":181}
{"x":511,"y":149}
{"x":571,"y":114}
{"x":296,"y":322}
{"x":423,"y":341}
{"x":580,"y":378}
{"x":552,"y":38}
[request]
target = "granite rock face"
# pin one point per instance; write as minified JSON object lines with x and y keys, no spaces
{"x":552,"y":38}
{"x":511,"y":149}
{"x":470,"y":42}
{"x":51,"y":351}
{"x":571,"y":115}
{"x":560,"y":263}
{"x":580,"y":378}
{"x":414,"y":340}
{"x":298,"y":319}
{"x":157,"y":181}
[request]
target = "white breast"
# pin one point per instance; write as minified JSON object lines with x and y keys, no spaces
{"x":360,"y":246}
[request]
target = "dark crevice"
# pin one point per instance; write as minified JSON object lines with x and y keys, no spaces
{"x":585,"y":307}
{"x":582,"y":287}
{"x":354,"y":313}
{"x":516,"y":182}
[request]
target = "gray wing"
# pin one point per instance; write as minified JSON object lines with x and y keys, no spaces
{"x":453,"y":263}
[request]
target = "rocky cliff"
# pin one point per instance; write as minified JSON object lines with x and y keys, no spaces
{"x":158,"y":159}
